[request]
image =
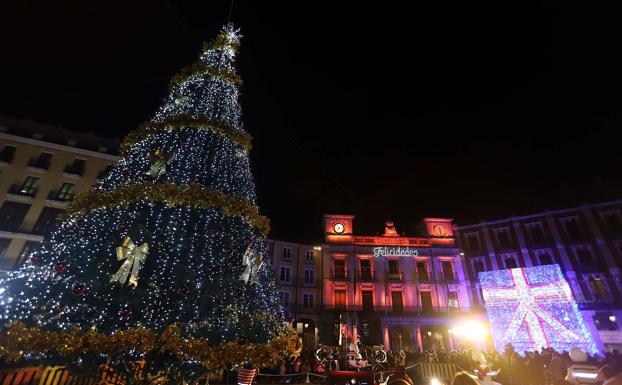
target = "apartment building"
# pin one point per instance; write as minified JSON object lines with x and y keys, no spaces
{"x":586,"y":242}
{"x":41,"y":169}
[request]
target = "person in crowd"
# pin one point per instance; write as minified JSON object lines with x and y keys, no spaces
{"x":463,"y":378}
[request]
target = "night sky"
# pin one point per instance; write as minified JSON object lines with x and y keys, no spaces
{"x":383,"y":111}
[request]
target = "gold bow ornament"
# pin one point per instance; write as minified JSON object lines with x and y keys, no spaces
{"x":252,"y":262}
{"x":134,"y":258}
{"x":160,"y":160}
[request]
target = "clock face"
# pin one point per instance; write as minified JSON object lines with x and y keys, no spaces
{"x":440,"y":230}
{"x":339,"y":228}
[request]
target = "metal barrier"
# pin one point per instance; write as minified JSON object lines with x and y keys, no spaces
{"x":57,"y":375}
{"x":287,"y":378}
{"x":444,"y":372}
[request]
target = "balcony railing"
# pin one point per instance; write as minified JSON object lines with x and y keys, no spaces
{"x":395,"y":276}
{"x":55,"y":196}
{"x":74,"y":170}
{"x":339,"y":274}
{"x":438,"y":278}
{"x":410,"y":310}
{"x":365,"y":275}
{"x":39,"y":163}
{"x":18,"y":190}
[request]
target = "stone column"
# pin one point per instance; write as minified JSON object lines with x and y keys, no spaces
{"x":520,"y":237}
{"x":489,"y":247}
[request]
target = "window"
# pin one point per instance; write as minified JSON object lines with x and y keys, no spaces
{"x":599,"y":290}
{"x":605,"y":321}
{"x":573,"y":230}
{"x":426,"y":302}
{"x":537,"y":236}
{"x":340,"y":269}
{"x":340,"y":299}
{"x":422,"y":271}
{"x":4,"y":244}
{"x":394,"y":268}
{"x":29,"y":248}
{"x":613,"y":223}
{"x":368,"y":300}
{"x":77,"y":167}
{"x":43,"y":161}
{"x":397,"y":301}
{"x":503,"y":237}
{"x":478,"y":266}
{"x":284,"y":298}
{"x":307,"y":301}
{"x":309,"y":277}
{"x":285,"y":271}
{"x":448,"y":270}
{"x":7,"y":154}
{"x":545,"y":259}
{"x":103,"y":172}
{"x":29,"y":187}
{"x":287,"y":253}
{"x":584,"y":256}
{"x":12,"y":215}
{"x":66,"y":192}
{"x":47,"y":220}
{"x":510,"y":263}
{"x":365,"y":269}
{"x":473,"y":241}
{"x":309,"y":256}
{"x":452,"y":300}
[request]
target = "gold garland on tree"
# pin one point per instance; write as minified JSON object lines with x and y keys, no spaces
{"x":173,"y":122}
{"x":173,"y":195}
{"x":19,"y":340}
{"x":200,"y":68}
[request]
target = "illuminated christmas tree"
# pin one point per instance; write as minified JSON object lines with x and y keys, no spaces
{"x":172,"y":233}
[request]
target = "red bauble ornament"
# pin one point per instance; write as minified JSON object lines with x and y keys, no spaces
{"x":121,"y":226}
{"x":249,"y":242}
{"x":182,"y":291}
{"x":126,"y":157}
{"x":35,"y":258}
{"x":60,"y":268}
{"x":126,"y":312}
{"x":79,"y":289}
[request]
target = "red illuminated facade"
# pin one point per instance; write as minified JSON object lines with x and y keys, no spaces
{"x":393,"y":290}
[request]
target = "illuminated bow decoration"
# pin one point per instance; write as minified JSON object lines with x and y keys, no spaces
{"x":160,"y":160}
{"x":134,"y":258}
{"x":252,"y":262}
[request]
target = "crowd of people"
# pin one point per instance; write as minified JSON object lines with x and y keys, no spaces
{"x":544,"y":367}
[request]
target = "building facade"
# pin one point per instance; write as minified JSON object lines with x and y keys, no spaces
{"x":41,"y":169}
{"x":298,"y":275}
{"x":402,"y":292}
{"x":585,"y":241}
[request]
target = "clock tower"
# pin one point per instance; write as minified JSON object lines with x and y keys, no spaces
{"x":338,"y":228}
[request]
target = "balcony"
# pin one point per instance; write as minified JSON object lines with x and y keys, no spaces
{"x":57,"y":196}
{"x":439,"y":311}
{"x":39,"y":164}
{"x":395,"y":276}
{"x":18,"y":191}
{"x":365,"y":275}
{"x":306,"y":310}
{"x":339,"y":275}
{"x":305,"y":283}
{"x":74,"y":171}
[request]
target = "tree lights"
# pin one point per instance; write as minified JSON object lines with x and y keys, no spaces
{"x":178,"y":227}
{"x":532,"y":308}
